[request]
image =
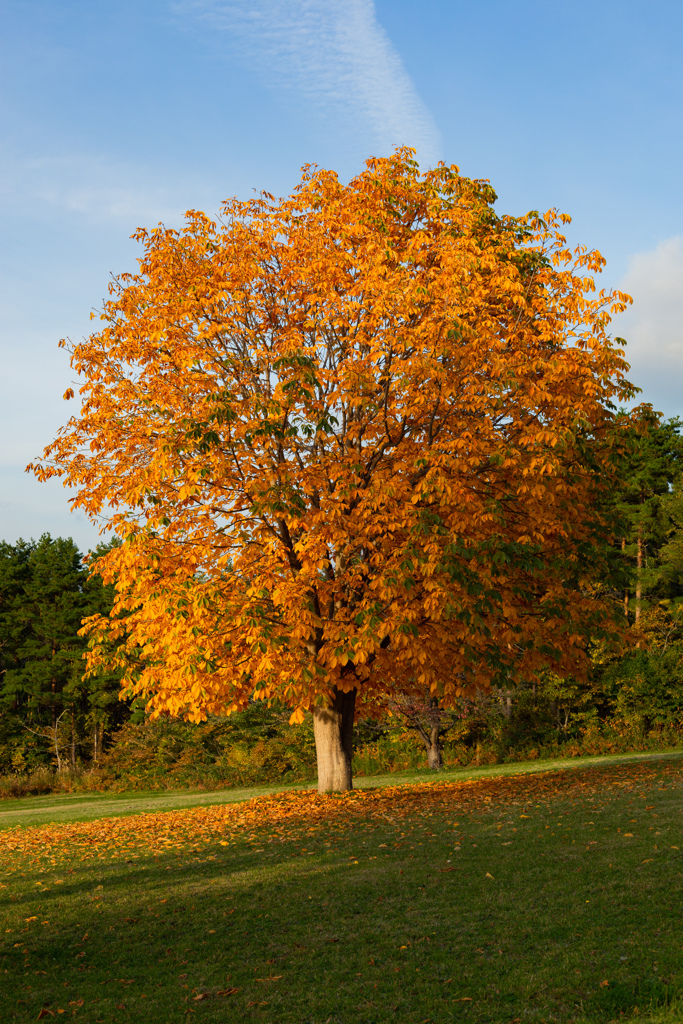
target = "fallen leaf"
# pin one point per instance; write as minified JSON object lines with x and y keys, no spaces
{"x":44,"y":1013}
{"x":604,"y":984}
{"x":227,"y":991}
{"x":200,"y":996}
{"x":274,"y":977}
{"x":488,"y":875}
{"x":76,"y":1002}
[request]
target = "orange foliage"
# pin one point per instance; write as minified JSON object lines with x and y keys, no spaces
{"x":291,"y":816}
{"x":355,"y":438}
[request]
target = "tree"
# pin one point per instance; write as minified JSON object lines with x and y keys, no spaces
{"x":45,"y":593}
{"x":45,"y":616}
{"x":355,"y":441}
{"x":432,"y":722}
{"x":652,"y":465}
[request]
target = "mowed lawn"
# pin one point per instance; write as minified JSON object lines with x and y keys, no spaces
{"x":546,"y":897}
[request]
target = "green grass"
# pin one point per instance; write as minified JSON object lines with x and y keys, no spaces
{"x":62,"y":807}
{"x":373,"y":918}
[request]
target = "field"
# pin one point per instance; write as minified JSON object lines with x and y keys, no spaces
{"x":552,"y":896}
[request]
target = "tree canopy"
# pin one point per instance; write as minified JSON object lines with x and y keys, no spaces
{"x":356,"y":440}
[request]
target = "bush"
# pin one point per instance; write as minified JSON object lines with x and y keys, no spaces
{"x":252,"y":747}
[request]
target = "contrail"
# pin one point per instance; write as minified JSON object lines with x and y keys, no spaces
{"x":336,"y":56}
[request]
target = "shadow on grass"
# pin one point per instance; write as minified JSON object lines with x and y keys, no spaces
{"x":629,"y":999}
{"x":515,"y":910}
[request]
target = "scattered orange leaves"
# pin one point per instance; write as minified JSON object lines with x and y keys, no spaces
{"x":283,"y":817}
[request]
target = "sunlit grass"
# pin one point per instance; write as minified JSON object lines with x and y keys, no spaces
{"x":85,"y":806}
{"x":532,"y":899}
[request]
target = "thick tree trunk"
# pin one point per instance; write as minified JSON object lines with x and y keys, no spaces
{"x":432,"y":744}
{"x":433,"y":748}
{"x":333,"y":730}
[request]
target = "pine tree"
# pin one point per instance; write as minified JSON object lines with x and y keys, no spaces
{"x":45,"y":593}
{"x":654,"y":462}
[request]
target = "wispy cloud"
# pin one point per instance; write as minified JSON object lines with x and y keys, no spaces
{"x":653,"y":327}
{"x":338,"y":58}
{"x":96,"y":188}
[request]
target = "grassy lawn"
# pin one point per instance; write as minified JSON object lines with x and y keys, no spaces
{"x":38,"y":810}
{"x":507,"y":898}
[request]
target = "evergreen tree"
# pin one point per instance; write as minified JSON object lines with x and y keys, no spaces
{"x":652,"y":465}
{"x":45,"y":593}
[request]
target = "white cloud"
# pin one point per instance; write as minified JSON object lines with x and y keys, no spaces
{"x":93,"y":187}
{"x":653,"y":327}
{"x":334,"y":54}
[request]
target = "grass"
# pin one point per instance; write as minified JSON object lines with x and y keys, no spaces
{"x":63,"y":807}
{"x":509,"y":898}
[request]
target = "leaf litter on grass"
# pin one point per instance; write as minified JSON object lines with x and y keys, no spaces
{"x":291,"y":815}
{"x":239,"y":973}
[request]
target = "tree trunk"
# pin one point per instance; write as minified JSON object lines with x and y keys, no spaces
{"x":434,"y":758}
{"x":333,"y":730}
{"x":623,"y":548}
{"x":73,"y":740}
{"x":57,"y":720}
{"x":59,"y":760}
{"x":639,"y":572}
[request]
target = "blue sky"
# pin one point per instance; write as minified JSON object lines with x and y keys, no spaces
{"x":123,"y":114}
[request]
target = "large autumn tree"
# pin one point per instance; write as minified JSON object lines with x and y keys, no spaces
{"x":355,"y":441}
